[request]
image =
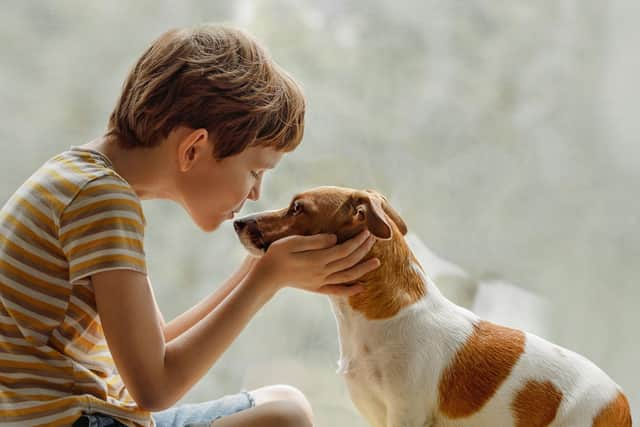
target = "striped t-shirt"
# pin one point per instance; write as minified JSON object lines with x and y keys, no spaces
{"x":73,"y":217}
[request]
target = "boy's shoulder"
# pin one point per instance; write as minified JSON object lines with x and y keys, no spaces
{"x":70,"y":178}
{"x":79,"y":167}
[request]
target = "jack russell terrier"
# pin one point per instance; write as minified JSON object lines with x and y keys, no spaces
{"x":412,"y":358}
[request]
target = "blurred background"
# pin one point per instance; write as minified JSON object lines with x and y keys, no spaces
{"x":504,"y":132}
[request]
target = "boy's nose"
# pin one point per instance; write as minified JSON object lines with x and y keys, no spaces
{"x":254,"y":194}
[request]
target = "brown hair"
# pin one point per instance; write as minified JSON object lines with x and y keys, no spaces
{"x":213,"y":77}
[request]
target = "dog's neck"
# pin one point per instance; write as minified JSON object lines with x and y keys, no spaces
{"x":396,"y":284}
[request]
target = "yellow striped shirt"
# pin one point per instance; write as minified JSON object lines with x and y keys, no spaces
{"x":73,"y":217}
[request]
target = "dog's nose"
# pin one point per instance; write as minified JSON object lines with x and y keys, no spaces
{"x":242,"y":223}
{"x":239,"y":225}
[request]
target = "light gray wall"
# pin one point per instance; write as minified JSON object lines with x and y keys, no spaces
{"x":505,"y":133}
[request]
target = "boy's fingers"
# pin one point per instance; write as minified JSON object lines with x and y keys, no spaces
{"x":354,"y":273}
{"x":317,"y":241}
{"x":353,"y":258}
{"x":344,"y":249}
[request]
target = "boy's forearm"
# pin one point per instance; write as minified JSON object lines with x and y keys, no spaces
{"x":186,"y":320}
{"x":190,"y":355}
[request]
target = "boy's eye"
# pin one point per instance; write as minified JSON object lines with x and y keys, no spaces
{"x":255,"y":174}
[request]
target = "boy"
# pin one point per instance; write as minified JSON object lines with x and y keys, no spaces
{"x":202,"y":115}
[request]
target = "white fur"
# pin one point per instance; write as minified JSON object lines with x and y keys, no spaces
{"x":412,"y":349}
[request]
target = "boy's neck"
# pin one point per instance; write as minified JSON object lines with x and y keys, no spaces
{"x":145,"y":169}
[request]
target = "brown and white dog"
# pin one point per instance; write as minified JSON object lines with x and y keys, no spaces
{"x":412,"y":358}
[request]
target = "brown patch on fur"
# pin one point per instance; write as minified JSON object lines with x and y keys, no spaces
{"x":616,"y":413}
{"x":536,"y":404}
{"x":392,"y":286}
{"x":482,"y":364}
{"x":365,"y":349}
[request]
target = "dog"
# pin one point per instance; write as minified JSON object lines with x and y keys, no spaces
{"x":412,"y":358}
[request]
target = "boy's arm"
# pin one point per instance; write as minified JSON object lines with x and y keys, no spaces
{"x":186,"y":320}
{"x":157,"y":373}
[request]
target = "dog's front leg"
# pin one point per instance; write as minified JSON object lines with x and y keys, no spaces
{"x":409,"y":415}
{"x":411,"y":422}
{"x":370,"y":406}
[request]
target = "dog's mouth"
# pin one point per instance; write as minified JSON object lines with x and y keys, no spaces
{"x":257,"y":240}
{"x":251,"y":236}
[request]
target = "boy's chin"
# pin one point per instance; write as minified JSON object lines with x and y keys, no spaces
{"x":210,"y":224}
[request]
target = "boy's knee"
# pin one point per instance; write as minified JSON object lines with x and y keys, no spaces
{"x":295,"y":402}
{"x":287,"y":413}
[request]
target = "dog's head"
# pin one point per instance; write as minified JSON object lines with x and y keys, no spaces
{"x":344,"y":212}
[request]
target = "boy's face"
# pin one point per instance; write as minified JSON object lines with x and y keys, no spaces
{"x":212,"y":191}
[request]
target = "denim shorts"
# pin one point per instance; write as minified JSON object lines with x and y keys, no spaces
{"x":186,"y":415}
{"x":203,"y":414}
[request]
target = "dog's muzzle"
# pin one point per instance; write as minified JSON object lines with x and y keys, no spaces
{"x":250,"y":226}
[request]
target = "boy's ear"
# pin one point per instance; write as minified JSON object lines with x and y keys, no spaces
{"x":191,"y":145}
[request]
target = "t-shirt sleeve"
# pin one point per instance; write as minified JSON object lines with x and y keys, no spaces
{"x":103,"y":229}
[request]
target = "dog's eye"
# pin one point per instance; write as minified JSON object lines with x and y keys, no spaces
{"x":296,"y":208}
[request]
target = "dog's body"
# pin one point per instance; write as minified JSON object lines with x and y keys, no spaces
{"x":412,"y":358}
{"x":395,"y":370}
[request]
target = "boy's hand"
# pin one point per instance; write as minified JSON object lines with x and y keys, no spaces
{"x":317,"y":264}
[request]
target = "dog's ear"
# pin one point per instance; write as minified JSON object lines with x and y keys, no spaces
{"x":392,"y":213}
{"x":368,"y":210}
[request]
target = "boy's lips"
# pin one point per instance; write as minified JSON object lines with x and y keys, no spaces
{"x":233,"y":213}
